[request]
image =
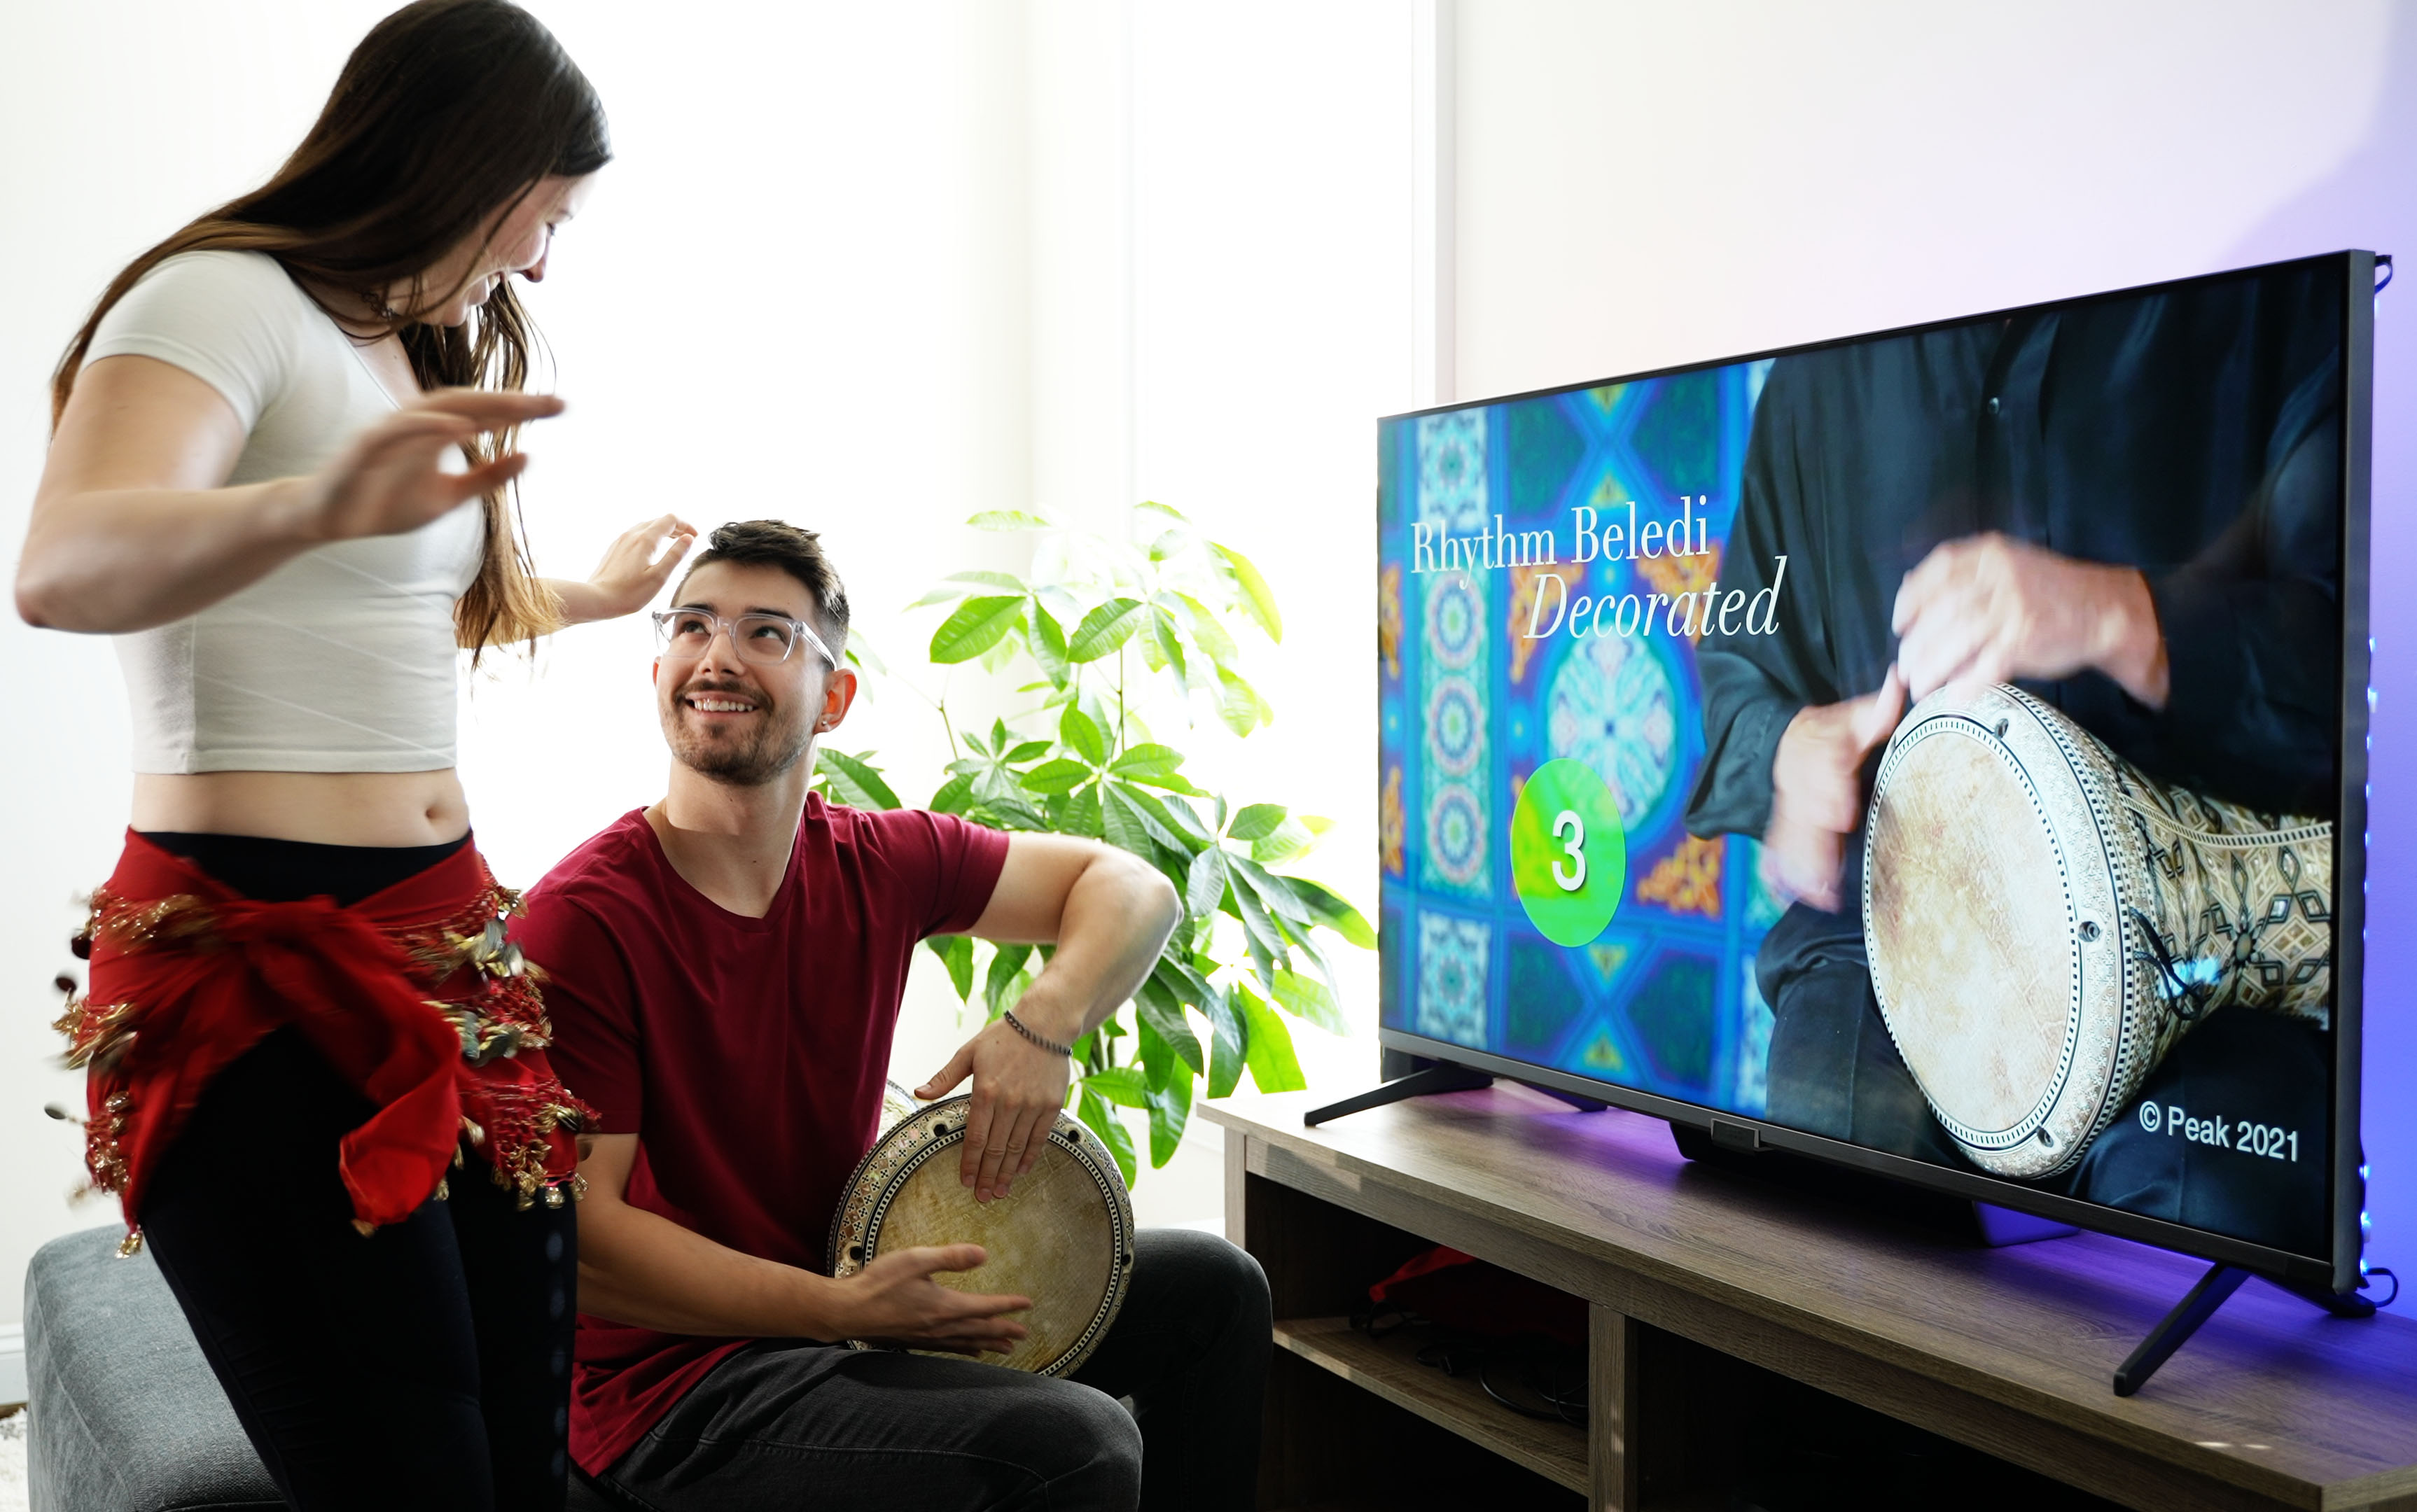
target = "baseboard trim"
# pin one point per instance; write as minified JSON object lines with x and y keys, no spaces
{"x":12,"y":1366}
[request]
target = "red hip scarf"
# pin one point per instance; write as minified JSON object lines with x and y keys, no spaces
{"x":411,"y":994}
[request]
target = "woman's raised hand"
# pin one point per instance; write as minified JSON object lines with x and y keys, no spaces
{"x":392,"y":479}
{"x":635,"y":568}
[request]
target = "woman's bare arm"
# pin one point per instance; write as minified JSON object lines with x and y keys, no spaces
{"x":132,"y":525}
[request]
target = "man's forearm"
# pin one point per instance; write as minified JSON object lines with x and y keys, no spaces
{"x":1117,"y":919}
{"x":641,"y":1268}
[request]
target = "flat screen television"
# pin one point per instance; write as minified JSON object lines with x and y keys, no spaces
{"x":1942,"y":752}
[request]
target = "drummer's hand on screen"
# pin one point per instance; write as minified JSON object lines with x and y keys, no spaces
{"x":635,"y":568}
{"x":1817,"y":790}
{"x":392,"y":479}
{"x":894,"y":1300}
{"x":1991,"y":608}
{"x":1018,"y":1091}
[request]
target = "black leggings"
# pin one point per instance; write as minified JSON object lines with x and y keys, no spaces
{"x":425,"y":1366}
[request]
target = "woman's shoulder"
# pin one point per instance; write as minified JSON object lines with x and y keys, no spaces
{"x":233,"y":319}
{"x":213,"y":282}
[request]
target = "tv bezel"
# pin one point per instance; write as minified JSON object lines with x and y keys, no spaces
{"x":2339,"y":1272}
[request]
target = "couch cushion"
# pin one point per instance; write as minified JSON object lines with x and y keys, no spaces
{"x":124,"y":1414}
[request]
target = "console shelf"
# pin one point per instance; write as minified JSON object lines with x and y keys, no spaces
{"x":1556,"y":1451}
{"x":1723,"y":1310}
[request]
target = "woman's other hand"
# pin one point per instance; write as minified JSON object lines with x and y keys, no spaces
{"x":635,"y":568}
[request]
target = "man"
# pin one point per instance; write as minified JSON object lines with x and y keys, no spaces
{"x":725,"y":969}
{"x":2129,"y":505}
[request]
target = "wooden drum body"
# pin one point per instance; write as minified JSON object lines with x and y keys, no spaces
{"x":2044,"y":921}
{"x":1063,"y":1235}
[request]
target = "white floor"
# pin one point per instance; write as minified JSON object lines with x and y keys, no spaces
{"x":12,"y":1462}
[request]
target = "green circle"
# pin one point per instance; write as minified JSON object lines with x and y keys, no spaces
{"x":1566,"y":829}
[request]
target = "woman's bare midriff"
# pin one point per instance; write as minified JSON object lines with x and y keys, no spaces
{"x":328,"y":808}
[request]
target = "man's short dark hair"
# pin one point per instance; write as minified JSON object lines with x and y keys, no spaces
{"x":795,"y":551}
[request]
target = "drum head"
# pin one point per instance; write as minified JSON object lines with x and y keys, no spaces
{"x":1062,"y":1236}
{"x":1982,"y":859}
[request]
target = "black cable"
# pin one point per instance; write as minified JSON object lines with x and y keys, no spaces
{"x":2373,"y":1271}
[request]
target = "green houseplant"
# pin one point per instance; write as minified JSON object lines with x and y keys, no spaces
{"x":1101,"y":636}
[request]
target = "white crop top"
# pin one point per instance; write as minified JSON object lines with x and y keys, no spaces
{"x":342,"y":659}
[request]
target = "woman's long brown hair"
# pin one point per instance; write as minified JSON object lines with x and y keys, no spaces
{"x":447,"y":112}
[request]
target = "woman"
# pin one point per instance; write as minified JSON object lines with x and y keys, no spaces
{"x":301,"y":1015}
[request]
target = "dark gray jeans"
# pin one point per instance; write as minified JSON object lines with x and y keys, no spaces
{"x":790,"y":1424}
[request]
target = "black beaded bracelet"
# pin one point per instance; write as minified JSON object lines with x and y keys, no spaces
{"x":1017,"y":1025}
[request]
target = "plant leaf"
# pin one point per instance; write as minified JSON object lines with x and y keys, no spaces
{"x":1274,"y":1068}
{"x":1102,"y":1120}
{"x":1205,"y":886}
{"x":859,"y":651}
{"x":1058,"y":776}
{"x":1168,"y":509}
{"x":1081,"y":736}
{"x":955,"y":796}
{"x":1139,"y":764}
{"x":853,"y":780}
{"x":1273,"y":895}
{"x":1170,"y":1109}
{"x":1229,"y":1050}
{"x":1124,"y":1085}
{"x":1258,"y":931}
{"x":1151,"y":814}
{"x":1161,"y":1016}
{"x":1238,"y":704}
{"x":956,"y":951}
{"x":1010,"y":520}
{"x":1082,"y":816}
{"x":1005,"y":966}
{"x":1310,"y":999}
{"x":1258,"y":599}
{"x":1257,"y":822}
{"x":1104,"y":628}
{"x":1170,"y":646}
{"x":1207,"y":630}
{"x":1048,"y":643}
{"x":1331,"y":911}
{"x":1008,"y":580}
{"x":977,"y":625}
{"x":1157,"y":1058}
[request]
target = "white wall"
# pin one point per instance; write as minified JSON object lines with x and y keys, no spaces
{"x":868,"y":268}
{"x":1642,"y":185}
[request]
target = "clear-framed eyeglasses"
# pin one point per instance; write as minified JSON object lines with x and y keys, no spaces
{"x":683,"y":634}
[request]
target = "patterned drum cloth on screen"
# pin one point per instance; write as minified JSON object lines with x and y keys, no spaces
{"x":2045,"y":921}
{"x":1063,"y":1235}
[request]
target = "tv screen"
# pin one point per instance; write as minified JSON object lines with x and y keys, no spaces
{"x":1940,"y":750}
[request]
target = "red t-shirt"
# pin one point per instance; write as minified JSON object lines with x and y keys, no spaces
{"x":748,"y":1055}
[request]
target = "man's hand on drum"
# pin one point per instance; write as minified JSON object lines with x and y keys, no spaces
{"x":1817,"y":790}
{"x":894,"y":1301}
{"x":1018,"y":1091}
{"x":1992,"y":609}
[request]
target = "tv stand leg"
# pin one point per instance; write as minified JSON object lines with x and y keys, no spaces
{"x":2209,"y":1294}
{"x":1440,"y":1078}
{"x":2214,"y":1288}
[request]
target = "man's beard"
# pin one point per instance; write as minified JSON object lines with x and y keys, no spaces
{"x":775,"y":747}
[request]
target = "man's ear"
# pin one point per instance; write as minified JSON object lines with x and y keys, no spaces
{"x":839,"y":694}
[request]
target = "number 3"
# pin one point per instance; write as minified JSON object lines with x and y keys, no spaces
{"x":1571,"y":831}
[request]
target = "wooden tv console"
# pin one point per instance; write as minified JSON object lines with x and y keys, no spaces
{"x":1705,"y":1287}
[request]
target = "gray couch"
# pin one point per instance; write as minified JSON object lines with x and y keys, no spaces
{"x":124,"y":1414}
